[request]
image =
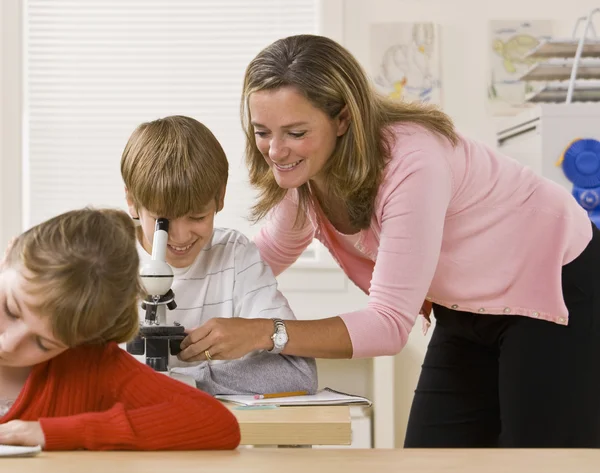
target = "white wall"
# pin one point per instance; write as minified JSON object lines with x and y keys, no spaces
{"x":10,"y":121}
{"x":2,"y":80}
{"x":464,"y":51}
{"x":465,"y":64}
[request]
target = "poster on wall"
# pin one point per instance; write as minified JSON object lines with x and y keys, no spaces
{"x":509,"y":43}
{"x":405,"y":61}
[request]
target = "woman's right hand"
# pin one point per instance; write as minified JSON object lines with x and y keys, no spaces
{"x":225,"y":339}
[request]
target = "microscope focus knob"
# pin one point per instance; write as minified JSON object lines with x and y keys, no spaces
{"x":175,"y":346}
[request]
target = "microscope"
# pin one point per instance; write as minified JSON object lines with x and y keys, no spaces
{"x":157,"y":339}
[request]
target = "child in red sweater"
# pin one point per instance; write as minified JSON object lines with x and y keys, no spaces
{"x":69,"y":291}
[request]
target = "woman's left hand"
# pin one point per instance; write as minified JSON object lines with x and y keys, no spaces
{"x":426,"y":309}
{"x":19,"y":432}
{"x":226,"y":339}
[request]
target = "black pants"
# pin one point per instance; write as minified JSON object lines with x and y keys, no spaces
{"x":513,"y":381}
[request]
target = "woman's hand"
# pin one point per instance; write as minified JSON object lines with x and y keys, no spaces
{"x":19,"y":432}
{"x":426,"y":313}
{"x":226,"y":339}
{"x":426,"y":309}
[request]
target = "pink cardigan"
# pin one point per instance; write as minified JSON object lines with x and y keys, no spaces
{"x":465,"y":227}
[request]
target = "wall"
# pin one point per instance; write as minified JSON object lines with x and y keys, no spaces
{"x":10,"y":121}
{"x":2,"y":80}
{"x":464,"y":33}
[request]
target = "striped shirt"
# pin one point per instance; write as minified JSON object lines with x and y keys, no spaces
{"x":230,"y":279}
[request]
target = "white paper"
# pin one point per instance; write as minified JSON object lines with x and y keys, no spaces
{"x":325,"y":397}
{"x":17,"y":451}
{"x":405,"y":61}
{"x":510,"y":41}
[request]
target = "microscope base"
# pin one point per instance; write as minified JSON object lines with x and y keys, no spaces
{"x":185,"y":379}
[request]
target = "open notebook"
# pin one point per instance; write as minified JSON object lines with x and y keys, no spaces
{"x":325,"y":397}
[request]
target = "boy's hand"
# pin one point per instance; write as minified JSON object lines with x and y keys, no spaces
{"x":19,"y":432}
{"x":225,"y":339}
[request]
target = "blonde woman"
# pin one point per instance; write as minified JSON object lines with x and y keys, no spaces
{"x":69,"y":292}
{"x":417,"y":214}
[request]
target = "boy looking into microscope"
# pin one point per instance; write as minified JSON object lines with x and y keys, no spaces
{"x":175,"y":168}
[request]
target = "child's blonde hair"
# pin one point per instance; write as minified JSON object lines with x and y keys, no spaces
{"x":83,"y":267}
{"x":174,"y":167}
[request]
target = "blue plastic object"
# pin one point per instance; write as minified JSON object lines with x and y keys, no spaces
{"x":581,"y":165}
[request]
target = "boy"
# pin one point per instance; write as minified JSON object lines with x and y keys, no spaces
{"x":69,"y":292}
{"x":175,"y":168}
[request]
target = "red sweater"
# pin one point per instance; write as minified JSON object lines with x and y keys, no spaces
{"x":101,"y":398}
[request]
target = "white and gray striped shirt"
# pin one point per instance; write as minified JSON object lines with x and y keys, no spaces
{"x":230,"y":279}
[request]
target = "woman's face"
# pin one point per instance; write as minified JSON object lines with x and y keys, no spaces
{"x":26,"y":337}
{"x":295,"y":138}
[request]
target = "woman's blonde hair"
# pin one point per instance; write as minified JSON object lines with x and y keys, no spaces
{"x":331,"y":78}
{"x":83,"y":268}
{"x":174,"y":166}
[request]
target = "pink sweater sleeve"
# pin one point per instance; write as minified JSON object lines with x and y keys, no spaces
{"x":412,"y":202}
{"x":281,"y":243}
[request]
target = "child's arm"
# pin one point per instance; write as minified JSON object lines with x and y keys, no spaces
{"x":143,"y":410}
{"x":255,"y":295}
{"x":259,"y":374}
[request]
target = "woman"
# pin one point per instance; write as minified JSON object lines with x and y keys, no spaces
{"x":417,"y":214}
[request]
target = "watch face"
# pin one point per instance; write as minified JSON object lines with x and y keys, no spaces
{"x":280,"y":339}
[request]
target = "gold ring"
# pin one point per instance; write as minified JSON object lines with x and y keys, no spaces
{"x":207,"y":355}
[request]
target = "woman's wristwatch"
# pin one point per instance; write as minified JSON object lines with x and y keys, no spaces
{"x":279,"y":337}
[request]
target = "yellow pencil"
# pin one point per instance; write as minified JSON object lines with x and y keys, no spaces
{"x":287,"y":394}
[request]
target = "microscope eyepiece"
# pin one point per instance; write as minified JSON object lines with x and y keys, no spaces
{"x":162,"y":224}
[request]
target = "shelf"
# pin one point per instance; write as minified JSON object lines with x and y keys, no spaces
{"x":556,"y":92}
{"x":565,"y":48}
{"x":560,"y":69}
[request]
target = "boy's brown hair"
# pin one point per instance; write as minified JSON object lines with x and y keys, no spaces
{"x":83,"y":267}
{"x":173,"y":167}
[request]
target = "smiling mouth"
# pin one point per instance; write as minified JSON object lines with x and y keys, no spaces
{"x":287,"y":167}
{"x":181,"y":249}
